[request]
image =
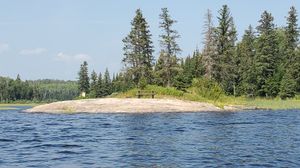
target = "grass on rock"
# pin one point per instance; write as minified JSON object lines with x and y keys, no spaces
{"x":221,"y":101}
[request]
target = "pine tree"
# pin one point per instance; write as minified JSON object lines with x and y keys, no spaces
{"x":138,"y":49}
{"x":83,"y":82}
{"x":168,"y":67}
{"x":266,"y":57}
{"x":209,"y":49}
{"x":223,"y":67}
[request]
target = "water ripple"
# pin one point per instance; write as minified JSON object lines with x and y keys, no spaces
{"x":246,"y":139}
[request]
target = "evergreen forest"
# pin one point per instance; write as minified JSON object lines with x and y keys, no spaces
{"x":265,"y":62}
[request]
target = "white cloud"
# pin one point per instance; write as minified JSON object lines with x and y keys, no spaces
{"x":3,"y":47}
{"x":70,"y":58}
{"x":33,"y":51}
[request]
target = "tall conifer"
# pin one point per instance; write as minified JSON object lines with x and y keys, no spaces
{"x":83,"y":82}
{"x":168,"y":62}
{"x":224,"y":66}
{"x":138,"y":49}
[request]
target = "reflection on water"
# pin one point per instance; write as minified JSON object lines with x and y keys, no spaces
{"x":250,"y":139}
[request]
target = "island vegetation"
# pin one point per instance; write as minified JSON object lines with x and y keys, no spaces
{"x":262,"y":69}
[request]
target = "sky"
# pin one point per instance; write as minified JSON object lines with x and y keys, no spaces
{"x":49,"y":39}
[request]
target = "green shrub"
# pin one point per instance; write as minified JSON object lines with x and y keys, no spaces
{"x":287,"y":87}
{"x":207,"y":88}
{"x":169,"y":91}
{"x":142,"y":83}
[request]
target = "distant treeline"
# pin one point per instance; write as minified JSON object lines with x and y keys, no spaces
{"x":265,"y":63}
{"x":36,"y":91}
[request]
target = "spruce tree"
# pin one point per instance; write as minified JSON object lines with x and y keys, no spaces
{"x":93,"y":87}
{"x":138,"y":49}
{"x":99,"y":89}
{"x":107,"y":85}
{"x":266,"y":57}
{"x":292,"y":29}
{"x":188,"y":69}
{"x":83,"y":82}
{"x":167,"y":67}
{"x":246,"y":66}
{"x":292,"y":63}
{"x":223,"y":67}
{"x":199,"y":64}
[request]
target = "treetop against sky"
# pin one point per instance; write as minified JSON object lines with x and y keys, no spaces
{"x":50,"y":39}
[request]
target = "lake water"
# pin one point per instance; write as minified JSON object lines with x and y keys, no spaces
{"x":240,"y":139}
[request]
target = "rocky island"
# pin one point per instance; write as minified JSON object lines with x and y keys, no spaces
{"x":123,"y":105}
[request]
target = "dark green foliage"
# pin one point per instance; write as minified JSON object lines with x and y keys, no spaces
{"x":191,"y":67}
{"x":103,"y":85}
{"x":37,"y":91}
{"x":287,"y":86}
{"x":295,"y":69}
{"x":182,"y":82}
{"x":292,"y":29}
{"x":223,"y":69}
{"x":138,"y":50}
{"x":94,"y":81}
{"x":54,"y":90}
{"x":257,"y":65}
{"x":198,"y":64}
{"x":267,"y":56}
{"x":246,"y":73}
{"x":99,"y":89}
{"x":292,"y":40}
{"x":207,"y":88}
{"x":167,"y":65}
{"x":107,"y":84}
{"x":142,"y":83}
{"x":84,"y":81}
{"x":122,"y":82}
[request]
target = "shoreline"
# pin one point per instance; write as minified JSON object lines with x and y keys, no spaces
{"x":133,"y":105}
{"x":124,"y":105}
{"x":231,"y":105}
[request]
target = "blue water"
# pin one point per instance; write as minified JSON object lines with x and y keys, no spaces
{"x":241,"y":139}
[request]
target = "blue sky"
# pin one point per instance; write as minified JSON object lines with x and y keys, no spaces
{"x":50,"y":38}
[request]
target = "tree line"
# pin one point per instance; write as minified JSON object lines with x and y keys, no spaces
{"x":16,"y":90}
{"x":264,"y":63}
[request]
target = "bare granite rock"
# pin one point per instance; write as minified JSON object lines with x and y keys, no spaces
{"x":118,"y":105}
